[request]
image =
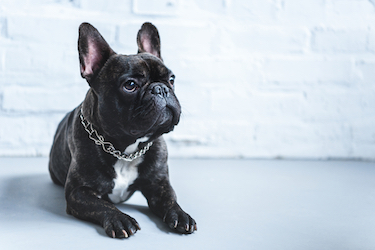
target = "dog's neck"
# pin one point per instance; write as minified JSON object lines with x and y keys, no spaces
{"x":129,"y":154}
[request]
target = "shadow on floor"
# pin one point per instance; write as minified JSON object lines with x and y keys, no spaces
{"x":25,"y":194}
{"x":36,"y":198}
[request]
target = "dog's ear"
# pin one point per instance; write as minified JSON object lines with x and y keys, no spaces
{"x":93,"y":51}
{"x":148,"y":40}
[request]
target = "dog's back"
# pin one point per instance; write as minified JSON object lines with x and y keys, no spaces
{"x":60,"y":156}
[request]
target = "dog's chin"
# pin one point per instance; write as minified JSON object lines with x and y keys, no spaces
{"x":163,"y":123}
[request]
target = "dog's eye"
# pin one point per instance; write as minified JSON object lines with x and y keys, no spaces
{"x":171,"y":80}
{"x":130,"y":86}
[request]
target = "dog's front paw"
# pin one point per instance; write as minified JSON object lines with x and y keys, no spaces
{"x":119,"y":225}
{"x":178,"y":220}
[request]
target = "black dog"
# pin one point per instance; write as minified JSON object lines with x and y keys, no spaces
{"x":111,"y":145}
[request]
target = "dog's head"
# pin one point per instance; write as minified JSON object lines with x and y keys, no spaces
{"x":133,"y":94}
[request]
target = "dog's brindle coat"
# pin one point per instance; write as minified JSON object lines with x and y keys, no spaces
{"x":130,"y":102}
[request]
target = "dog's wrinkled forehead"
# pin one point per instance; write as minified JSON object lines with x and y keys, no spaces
{"x":145,"y":65}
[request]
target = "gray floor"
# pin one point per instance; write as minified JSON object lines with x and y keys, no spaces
{"x":238,"y":204}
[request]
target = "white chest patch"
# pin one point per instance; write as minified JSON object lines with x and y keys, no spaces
{"x":126,"y":173}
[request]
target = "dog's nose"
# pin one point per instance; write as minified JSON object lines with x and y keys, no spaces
{"x":160,"y":90}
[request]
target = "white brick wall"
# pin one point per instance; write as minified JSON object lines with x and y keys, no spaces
{"x":260,"y":79}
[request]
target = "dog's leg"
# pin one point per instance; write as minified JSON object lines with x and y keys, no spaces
{"x":84,"y":203}
{"x":162,"y":201}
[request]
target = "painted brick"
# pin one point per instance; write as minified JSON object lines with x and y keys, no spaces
{"x":308,"y":13}
{"x":253,"y":106}
{"x":188,"y":39}
{"x":260,"y":79}
{"x":305,"y":69}
{"x":349,"y":13}
{"x":267,"y":39}
{"x":213,"y":6}
{"x":31,"y":135}
{"x":221,"y":70}
{"x":371,"y":39}
{"x":318,"y":140}
{"x":3,"y":27}
{"x":363,"y":132}
{"x":332,"y":41}
{"x":26,"y":99}
{"x":212,"y":138}
{"x":42,"y":29}
{"x":362,"y":151}
{"x":187,"y":92}
{"x":159,"y":7}
{"x":254,"y":11}
{"x":111,"y":6}
{"x":24,"y":57}
{"x":367,"y":74}
{"x":41,"y":65}
{"x":2,"y":59}
{"x":340,"y":106}
{"x":127,"y":38}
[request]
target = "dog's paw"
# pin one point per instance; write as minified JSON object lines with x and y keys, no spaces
{"x":120,"y":225}
{"x":178,"y":220}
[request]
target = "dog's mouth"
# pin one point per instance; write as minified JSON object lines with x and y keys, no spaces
{"x":170,"y":117}
{"x":164,"y":121}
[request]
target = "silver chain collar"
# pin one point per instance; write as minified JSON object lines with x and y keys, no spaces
{"x":107,"y":146}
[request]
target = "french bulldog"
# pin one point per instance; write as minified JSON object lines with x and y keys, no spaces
{"x":111,"y":145}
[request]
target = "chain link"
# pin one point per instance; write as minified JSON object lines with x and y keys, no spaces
{"x":107,"y":146}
